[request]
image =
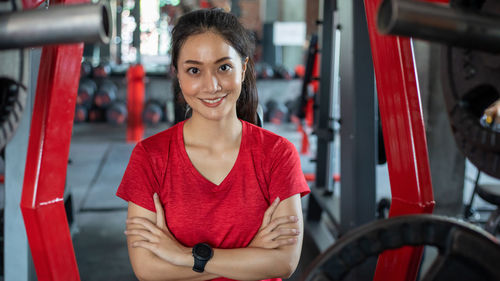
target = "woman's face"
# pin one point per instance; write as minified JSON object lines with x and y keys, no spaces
{"x":210,"y":73}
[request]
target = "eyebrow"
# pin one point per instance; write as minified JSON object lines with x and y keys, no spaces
{"x":199,"y":63}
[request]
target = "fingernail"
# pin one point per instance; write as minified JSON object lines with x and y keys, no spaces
{"x":294,"y":218}
{"x":276,"y":200}
{"x":155,"y":196}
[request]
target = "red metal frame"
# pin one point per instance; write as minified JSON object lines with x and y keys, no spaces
{"x":47,"y":159}
{"x":405,"y":141}
{"x":31,"y":4}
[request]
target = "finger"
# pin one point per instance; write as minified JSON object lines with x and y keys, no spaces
{"x":144,"y":234}
{"x":145,"y":223}
{"x":281,"y":232}
{"x":286,"y":242}
{"x":269,"y":212}
{"x":280,"y":221}
{"x":146,"y":245}
{"x":160,"y":214}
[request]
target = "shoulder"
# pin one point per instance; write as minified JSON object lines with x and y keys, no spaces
{"x":266,"y":141}
{"x":160,"y":142}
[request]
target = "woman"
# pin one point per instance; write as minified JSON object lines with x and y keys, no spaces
{"x":214,"y":196}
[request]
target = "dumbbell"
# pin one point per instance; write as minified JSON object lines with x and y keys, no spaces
{"x":116,"y":113}
{"x":86,"y":91}
{"x":264,"y":71}
{"x":282,"y":72}
{"x":105,"y":94}
{"x":85,"y":69}
{"x":102,"y":70}
{"x":96,"y":114}
{"x":276,"y":112}
{"x":292,"y":107}
{"x":154,"y":112}
{"x":81,"y":113}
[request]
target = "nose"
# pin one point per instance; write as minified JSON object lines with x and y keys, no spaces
{"x":211,"y":82}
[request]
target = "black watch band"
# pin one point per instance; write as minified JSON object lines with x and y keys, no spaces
{"x":199,"y":265}
{"x":202,"y":253}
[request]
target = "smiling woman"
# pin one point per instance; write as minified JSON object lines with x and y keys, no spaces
{"x":214,"y":197}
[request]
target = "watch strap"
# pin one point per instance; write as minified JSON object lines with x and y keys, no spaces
{"x":199,"y":265}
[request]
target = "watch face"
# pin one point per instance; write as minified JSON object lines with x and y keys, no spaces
{"x":203,"y":251}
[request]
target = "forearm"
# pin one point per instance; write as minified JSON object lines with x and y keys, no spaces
{"x":252,"y":263}
{"x":152,"y":268}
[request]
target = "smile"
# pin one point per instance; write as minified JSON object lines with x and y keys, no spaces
{"x":213,"y":101}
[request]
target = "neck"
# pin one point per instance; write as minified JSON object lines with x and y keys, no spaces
{"x":213,"y":133}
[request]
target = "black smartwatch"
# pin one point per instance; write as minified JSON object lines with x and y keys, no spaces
{"x":202,"y":253}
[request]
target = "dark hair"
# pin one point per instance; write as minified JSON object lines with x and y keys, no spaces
{"x":227,"y":26}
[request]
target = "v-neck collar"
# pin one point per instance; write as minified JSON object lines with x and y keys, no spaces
{"x":226,"y":182}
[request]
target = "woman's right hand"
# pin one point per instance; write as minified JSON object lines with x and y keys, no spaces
{"x":270,"y":235}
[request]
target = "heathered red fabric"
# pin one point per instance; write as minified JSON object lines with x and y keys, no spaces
{"x":196,"y":210}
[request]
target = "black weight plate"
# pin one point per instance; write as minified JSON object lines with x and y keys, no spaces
{"x":12,"y":102}
{"x":466,"y":252}
{"x":471,"y":82}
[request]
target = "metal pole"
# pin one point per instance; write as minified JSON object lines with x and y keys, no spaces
{"x":439,"y":23}
{"x":57,"y":25}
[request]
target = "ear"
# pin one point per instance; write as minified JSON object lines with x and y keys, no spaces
{"x":244,"y":66}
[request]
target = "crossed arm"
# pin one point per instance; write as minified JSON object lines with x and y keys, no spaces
{"x":274,"y":252}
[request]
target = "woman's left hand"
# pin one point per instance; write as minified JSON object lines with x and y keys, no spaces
{"x":158,"y":239}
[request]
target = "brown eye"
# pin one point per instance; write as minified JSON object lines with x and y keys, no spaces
{"x":193,"y":70}
{"x":225,"y":67}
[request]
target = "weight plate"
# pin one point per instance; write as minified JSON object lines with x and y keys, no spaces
{"x":465,"y":251}
{"x":12,"y":102}
{"x":471,"y":83}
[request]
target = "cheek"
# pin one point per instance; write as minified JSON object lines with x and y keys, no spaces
{"x":189,"y":86}
{"x":232,"y":82}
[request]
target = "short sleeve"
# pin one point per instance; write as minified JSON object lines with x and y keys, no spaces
{"x":139,"y":182}
{"x":287,"y":178}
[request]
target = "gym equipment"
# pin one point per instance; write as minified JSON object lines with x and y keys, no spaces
{"x":281,"y":72}
{"x":81,"y":113}
{"x":491,"y":194}
{"x":60,"y":24}
{"x":86,"y":91}
{"x":275,"y":112}
{"x":264,"y":71}
{"x":460,"y":27}
{"x":136,"y":93}
{"x":106,"y":94}
{"x":154,"y":112}
{"x":96,"y":114}
{"x":12,"y":102}
{"x":470,"y":85}
{"x":466,"y":252}
{"x":116,"y":114}
{"x":102,"y":70}
{"x":85,"y":69}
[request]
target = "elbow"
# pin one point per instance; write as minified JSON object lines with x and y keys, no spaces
{"x":141,"y":271}
{"x":288,"y":268}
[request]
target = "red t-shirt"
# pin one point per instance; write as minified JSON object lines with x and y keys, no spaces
{"x":227,"y":215}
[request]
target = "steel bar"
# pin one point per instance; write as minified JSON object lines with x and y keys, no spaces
{"x":440,"y":23}
{"x":60,"y":24}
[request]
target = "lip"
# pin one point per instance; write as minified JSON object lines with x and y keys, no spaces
{"x":214,"y":104}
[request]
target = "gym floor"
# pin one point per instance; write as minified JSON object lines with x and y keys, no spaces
{"x":98,"y":158}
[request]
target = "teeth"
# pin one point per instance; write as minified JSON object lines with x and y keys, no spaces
{"x":213,"y":101}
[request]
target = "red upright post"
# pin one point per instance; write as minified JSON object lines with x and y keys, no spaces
{"x":135,"y":102}
{"x":47,"y":159}
{"x":405,"y":141}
